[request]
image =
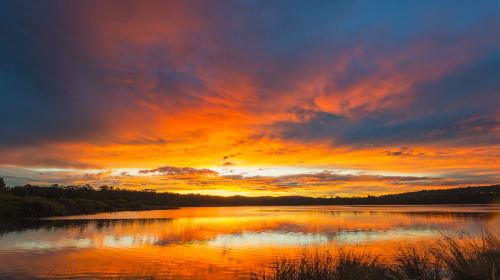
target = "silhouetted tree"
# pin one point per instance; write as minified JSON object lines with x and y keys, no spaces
{"x":105,"y":188}
{"x":3,"y":186}
{"x":39,"y":201}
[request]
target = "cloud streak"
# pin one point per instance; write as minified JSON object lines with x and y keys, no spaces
{"x":192,"y":180}
{"x":171,"y":170}
{"x":192,"y":86}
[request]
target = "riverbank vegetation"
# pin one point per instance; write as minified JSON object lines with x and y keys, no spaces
{"x":452,"y":258}
{"x":34,"y":201}
{"x":40,"y":201}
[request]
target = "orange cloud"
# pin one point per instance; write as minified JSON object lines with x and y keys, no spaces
{"x":195,"y":87}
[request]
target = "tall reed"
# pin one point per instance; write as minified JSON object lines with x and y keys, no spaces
{"x":451,"y":258}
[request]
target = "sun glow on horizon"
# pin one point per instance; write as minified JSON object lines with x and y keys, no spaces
{"x":250,"y":97}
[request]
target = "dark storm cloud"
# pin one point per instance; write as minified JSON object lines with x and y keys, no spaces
{"x":38,"y":85}
{"x":54,"y":88}
{"x":460,"y":107}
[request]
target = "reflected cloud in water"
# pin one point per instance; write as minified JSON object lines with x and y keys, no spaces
{"x":206,"y":238}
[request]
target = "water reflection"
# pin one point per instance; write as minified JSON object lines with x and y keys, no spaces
{"x":220,"y":242}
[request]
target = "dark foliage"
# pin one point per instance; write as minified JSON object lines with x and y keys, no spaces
{"x":3,"y":186}
{"x":35,"y":201}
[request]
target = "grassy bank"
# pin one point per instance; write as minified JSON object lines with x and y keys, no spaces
{"x":451,"y":258}
{"x":13,"y":206}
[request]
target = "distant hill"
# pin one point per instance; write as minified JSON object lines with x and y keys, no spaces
{"x":36,"y":201}
{"x":467,"y":195}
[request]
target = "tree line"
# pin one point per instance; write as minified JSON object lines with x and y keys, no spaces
{"x":39,"y":201}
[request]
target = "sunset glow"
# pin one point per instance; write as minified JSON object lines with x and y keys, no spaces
{"x":250,"y":97}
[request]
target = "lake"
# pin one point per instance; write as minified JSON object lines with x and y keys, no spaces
{"x":219,"y":242}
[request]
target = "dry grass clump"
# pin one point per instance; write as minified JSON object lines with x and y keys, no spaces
{"x":453,"y":258}
{"x":470,"y":260}
{"x":325,"y":265}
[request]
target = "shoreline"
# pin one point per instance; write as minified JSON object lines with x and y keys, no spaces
{"x":317,"y":205}
{"x":38,"y":202}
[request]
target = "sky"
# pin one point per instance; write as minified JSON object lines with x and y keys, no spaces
{"x":247,"y":97}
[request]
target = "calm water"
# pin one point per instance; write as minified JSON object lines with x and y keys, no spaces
{"x":219,"y":242}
